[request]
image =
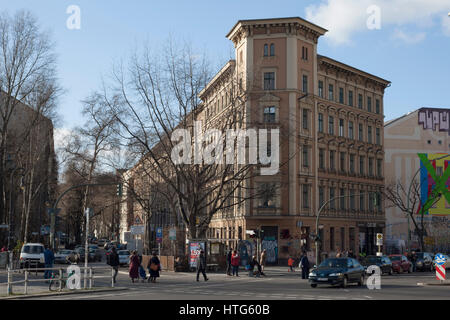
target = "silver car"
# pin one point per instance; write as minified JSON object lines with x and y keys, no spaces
{"x":61,"y":256}
{"x":124,"y":257}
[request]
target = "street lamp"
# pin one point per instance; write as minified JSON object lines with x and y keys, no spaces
{"x":11,"y":202}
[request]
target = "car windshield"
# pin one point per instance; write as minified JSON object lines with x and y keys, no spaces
{"x":373,"y":259}
{"x":32,"y":249}
{"x":123,"y":253}
{"x":334,"y":263}
{"x":419,"y":255}
{"x":395,"y":258}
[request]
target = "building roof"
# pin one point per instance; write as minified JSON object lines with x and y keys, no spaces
{"x":387,"y":123}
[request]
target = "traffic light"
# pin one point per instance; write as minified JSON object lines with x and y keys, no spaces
{"x":119,"y":189}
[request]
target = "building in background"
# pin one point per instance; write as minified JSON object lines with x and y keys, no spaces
{"x":425,"y":131}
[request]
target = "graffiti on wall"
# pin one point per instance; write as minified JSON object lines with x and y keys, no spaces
{"x":435,"y":176}
{"x":271,"y":246}
{"x":430,"y":118}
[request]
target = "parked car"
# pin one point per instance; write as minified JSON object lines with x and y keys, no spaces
{"x":337,"y":271}
{"x":124,"y":257}
{"x":61,"y":256}
{"x":93,"y":246}
{"x":400,"y":263}
{"x":424,"y":261}
{"x":383,"y":262}
{"x":30,"y":254}
{"x":101,"y":242}
{"x":95,"y":255}
{"x":447,"y":262}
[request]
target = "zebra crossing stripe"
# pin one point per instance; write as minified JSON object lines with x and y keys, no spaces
{"x":440,"y":272}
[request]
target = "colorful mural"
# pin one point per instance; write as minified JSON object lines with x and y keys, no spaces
{"x":430,"y":118}
{"x":435,"y":176}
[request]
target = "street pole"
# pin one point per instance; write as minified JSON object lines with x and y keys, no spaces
{"x":86,"y":245}
{"x":11,"y":205}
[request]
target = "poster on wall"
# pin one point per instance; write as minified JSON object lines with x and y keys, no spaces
{"x":194,"y":252}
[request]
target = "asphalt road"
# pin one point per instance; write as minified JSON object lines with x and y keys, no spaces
{"x":278,"y":285}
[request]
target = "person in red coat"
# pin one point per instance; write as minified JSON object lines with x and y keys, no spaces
{"x":134,"y":266}
{"x":235,"y":261}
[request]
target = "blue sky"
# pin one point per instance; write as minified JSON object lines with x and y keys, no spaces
{"x":411,"y":49}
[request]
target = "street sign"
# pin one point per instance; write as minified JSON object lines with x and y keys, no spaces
{"x":379,"y":239}
{"x":440,"y":266}
{"x":440,"y":259}
{"x":45,"y":230}
{"x":159,"y":234}
{"x":137,"y":230}
{"x":138,"y":220}
{"x":173,"y":234}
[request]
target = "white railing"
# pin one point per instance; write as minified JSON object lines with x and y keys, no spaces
{"x":60,"y":278}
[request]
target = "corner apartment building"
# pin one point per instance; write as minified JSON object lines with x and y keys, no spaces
{"x":330,"y":117}
{"x":426,"y":131}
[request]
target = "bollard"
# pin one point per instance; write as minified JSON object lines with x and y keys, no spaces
{"x":25,"y":290}
{"x":60,"y":279}
{"x":9,"y":288}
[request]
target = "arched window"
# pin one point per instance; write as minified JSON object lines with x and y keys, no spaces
{"x":266,"y":50}
{"x":272,"y":49}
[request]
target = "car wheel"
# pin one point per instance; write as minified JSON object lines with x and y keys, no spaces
{"x":390,"y":271}
{"x":361,"y":281}
{"x":345,"y":282}
{"x":313,"y":285}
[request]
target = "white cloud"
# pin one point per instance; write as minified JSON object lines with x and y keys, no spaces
{"x":343,"y":18}
{"x":446,"y":25}
{"x":60,"y":135}
{"x":408,"y":38}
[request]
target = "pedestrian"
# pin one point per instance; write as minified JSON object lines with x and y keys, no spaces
{"x":254,"y":263}
{"x":338,"y":254}
{"x":49,"y":258}
{"x":304,"y":265}
{"x":201,"y":265}
{"x":142,"y":272}
{"x":134,"y":266}
{"x":362,"y":256}
{"x":229,"y":254}
{"x":154,"y":267}
{"x":235,"y":261}
{"x":4,"y":249}
{"x":262,"y":260}
{"x":350,"y":254}
{"x":291,"y":264}
{"x":113,"y":261}
{"x":414,"y":260}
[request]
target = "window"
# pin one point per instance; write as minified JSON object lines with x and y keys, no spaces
{"x":332,"y":196}
{"x":350,"y":129}
{"x":369,"y":104}
{"x":352,"y":163}
{"x":330,"y":92}
{"x":272,"y":50}
{"x":360,"y":101}
{"x":305,"y":156}
{"x":369,"y":134}
{"x":266,"y":50}
{"x":377,"y":106}
{"x":343,"y":244}
{"x":321,"y":196}
{"x":305,"y":84}
{"x":321,"y":159}
{"x":342,"y":199}
{"x":378,"y":137}
{"x":267,"y":195}
{"x":330,"y":125}
{"x":379,"y":167}
{"x":269,"y":80}
{"x":360,"y":132}
{"x":361,"y":165}
{"x":304,"y":53}
{"x":305,"y":118}
{"x":331,"y":238}
{"x":332,"y":167}
{"x":320,"y":122}
{"x":341,"y":95}
{"x":352,"y":199}
{"x":378,"y":201}
{"x":362,"y":207}
{"x":371,"y":167}
{"x":321,"y":88}
{"x":350,"y":98}
{"x":371,"y":200}
{"x":341,"y":127}
{"x":305,"y":196}
{"x":269,"y":114}
{"x":342,"y":161}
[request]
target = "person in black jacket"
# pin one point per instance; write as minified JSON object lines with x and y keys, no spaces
{"x":230,"y":252}
{"x":201,"y":265}
{"x":114,"y":262}
{"x":304,"y":263}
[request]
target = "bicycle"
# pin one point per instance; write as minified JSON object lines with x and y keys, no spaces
{"x":55,"y":281}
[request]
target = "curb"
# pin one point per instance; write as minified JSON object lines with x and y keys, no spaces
{"x":433,"y":284}
{"x":50,"y":294}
